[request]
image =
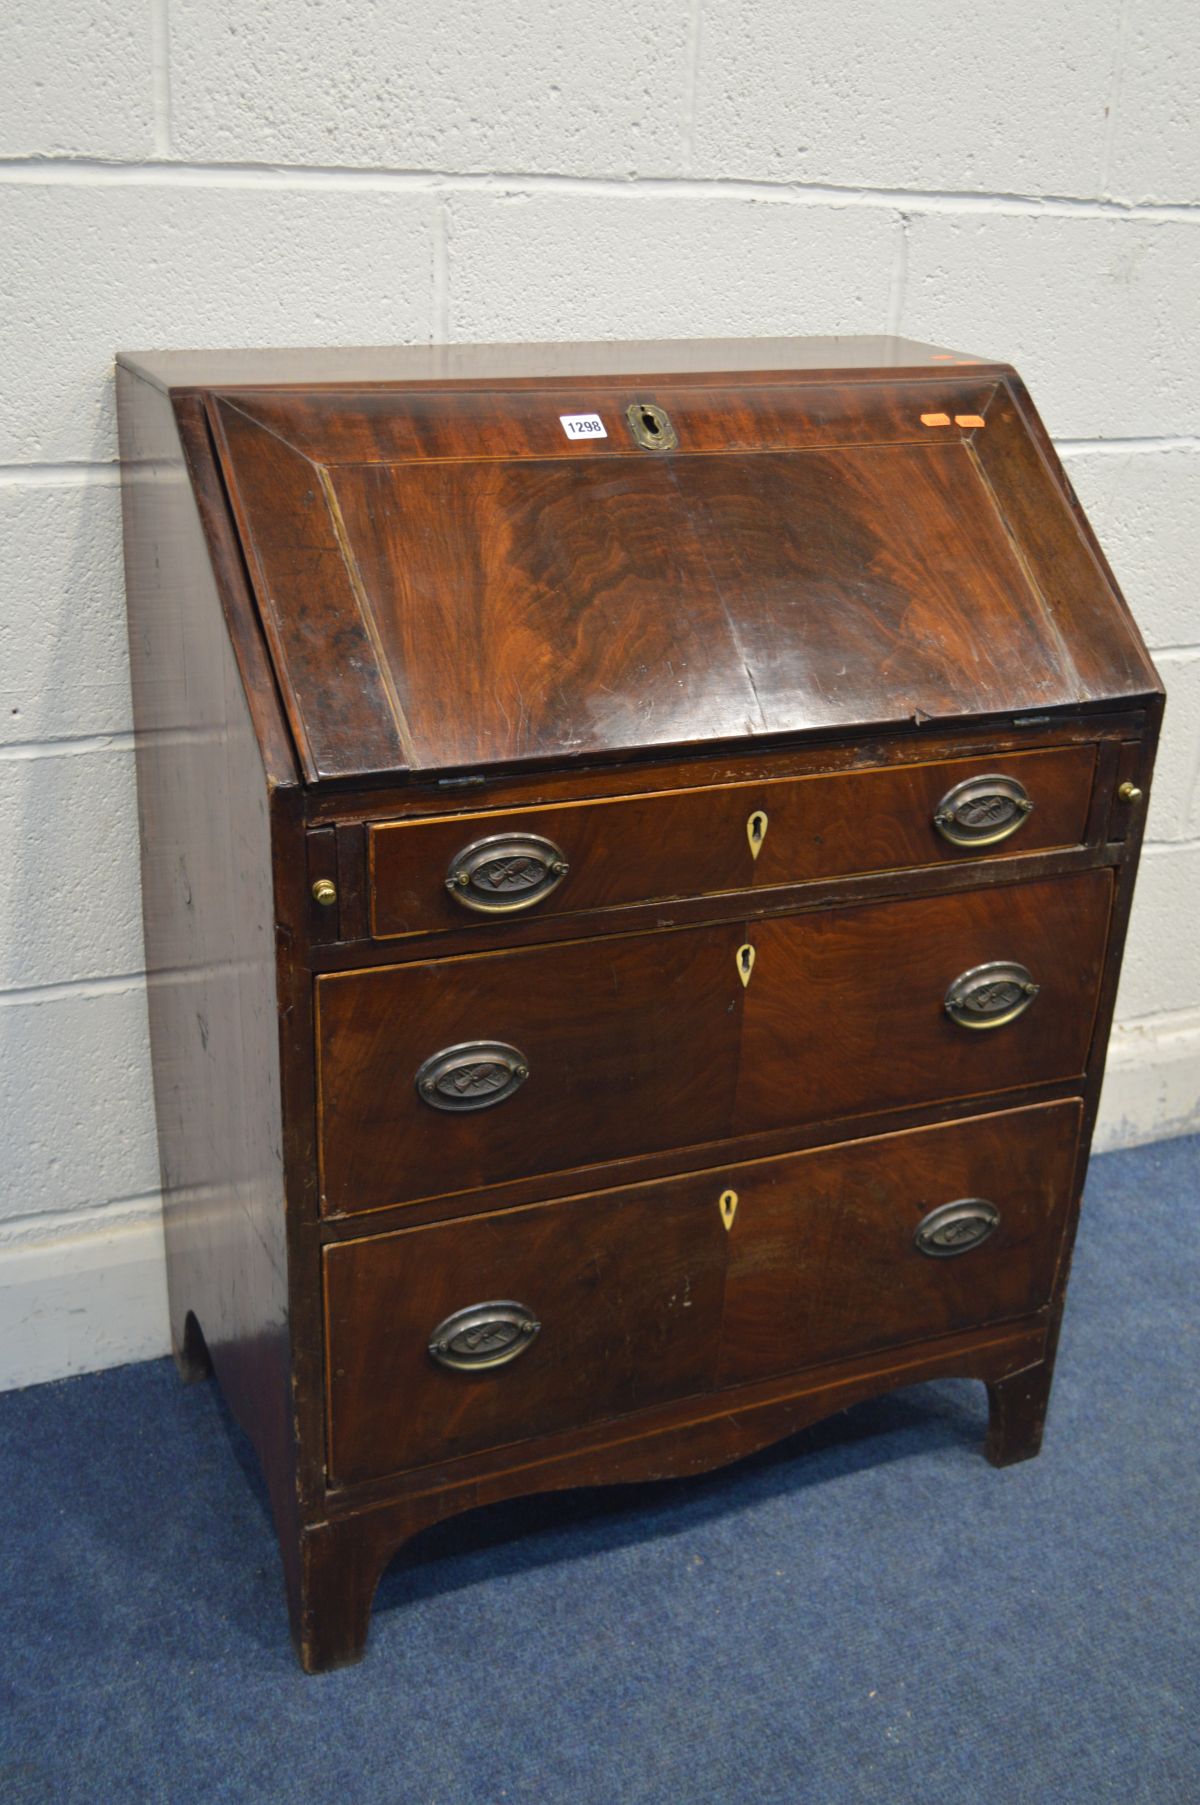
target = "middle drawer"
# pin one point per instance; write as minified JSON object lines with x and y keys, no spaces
{"x":449,"y":1075}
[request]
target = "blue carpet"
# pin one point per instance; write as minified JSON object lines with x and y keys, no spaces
{"x":866,"y":1613}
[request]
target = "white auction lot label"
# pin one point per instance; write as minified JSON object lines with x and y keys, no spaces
{"x":583,"y":426}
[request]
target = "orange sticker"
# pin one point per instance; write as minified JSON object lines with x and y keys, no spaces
{"x":935,"y":419}
{"x":969,"y":420}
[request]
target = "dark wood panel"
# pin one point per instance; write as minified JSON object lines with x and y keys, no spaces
{"x":1027,"y":479}
{"x":568,"y":619}
{"x":448,"y":583}
{"x":822,"y":755}
{"x":697,"y":842}
{"x":661,"y":1440}
{"x":335,"y":685}
{"x":645,"y":1042}
{"x":385,"y":427}
{"x":844,"y":1011}
{"x":593,"y":605}
{"x":649,"y":1168}
{"x":822,"y":1258}
{"x":217,"y":798}
{"x":626,"y":1041}
{"x":876,"y":582}
{"x":628,"y":1286}
{"x":693,"y":911}
{"x":627,"y":1290}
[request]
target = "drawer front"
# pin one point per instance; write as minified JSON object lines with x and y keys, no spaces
{"x":448,"y":1339}
{"x":430,"y":875}
{"x":846,"y":1011}
{"x":449,"y":1075}
{"x":619,"y":1307}
{"x":629,"y":1043}
{"x":829,"y":1258}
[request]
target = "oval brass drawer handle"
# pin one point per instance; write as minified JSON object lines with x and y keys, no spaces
{"x":988,"y":996}
{"x":475,"y":1074}
{"x":482,"y":1336}
{"x":506,"y":872}
{"x":956,"y":1227}
{"x":981,"y":811}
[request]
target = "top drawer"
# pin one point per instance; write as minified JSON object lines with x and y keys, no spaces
{"x":568,"y":857}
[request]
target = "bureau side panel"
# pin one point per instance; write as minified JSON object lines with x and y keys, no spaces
{"x":208,"y":795}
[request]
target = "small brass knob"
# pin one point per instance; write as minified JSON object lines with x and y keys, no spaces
{"x":1130,"y":793}
{"x":325,"y":892}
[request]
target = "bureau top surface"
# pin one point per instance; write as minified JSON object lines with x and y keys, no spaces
{"x":556,"y":557}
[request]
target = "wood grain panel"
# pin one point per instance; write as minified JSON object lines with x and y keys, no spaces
{"x":645,"y":1042}
{"x":628,"y":1041}
{"x":627,"y":1291}
{"x":217,"y":806}
{"x":589,"y":606}
{"x":566,"y":617}
{"x":822,"y":1261}
{"x":450,"y":584}
{"x":644,"y":1296}
{"x":388,"y":427}
{"x":878,"y":580}
{"x":1059,"y":548}
{"x":695,"y":842}
{"x":336,"y":687}
{"x":844,"y":1012}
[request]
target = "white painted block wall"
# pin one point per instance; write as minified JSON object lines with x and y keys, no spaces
{"x":1017,"y":178}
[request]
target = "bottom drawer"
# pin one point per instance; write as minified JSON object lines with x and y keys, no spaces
{"x":476,"y":1333}
{"x":847,"y":1249}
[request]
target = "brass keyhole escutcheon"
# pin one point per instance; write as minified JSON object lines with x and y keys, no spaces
{"x":745,"y":963}
{"x":651,"y":426}
{"x":727,"y":1204}
{"x":756,"y":831}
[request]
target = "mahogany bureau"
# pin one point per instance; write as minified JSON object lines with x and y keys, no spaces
{"x":637,"y":847}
